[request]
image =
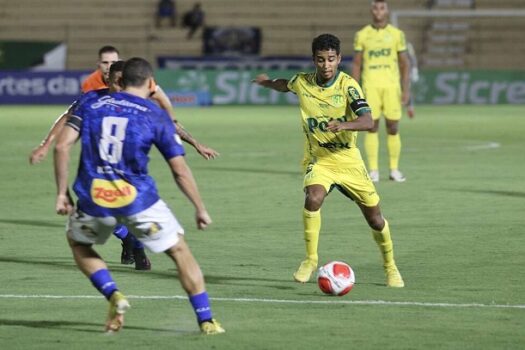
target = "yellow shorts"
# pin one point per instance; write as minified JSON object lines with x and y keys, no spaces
{"x":352,"y":181}
{"x":384,"y":101}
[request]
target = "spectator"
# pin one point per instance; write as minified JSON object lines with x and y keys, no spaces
{"x":193,"y":19}
{"x":166,"y":9}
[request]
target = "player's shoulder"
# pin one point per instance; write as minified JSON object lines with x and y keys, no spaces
{"x":345,"y":78}
{"x":365,"y":29}
{"x":302,"y":75}
{"x":302,"y":78}
{"x":393,"y":29}
{"x":91,"y":96}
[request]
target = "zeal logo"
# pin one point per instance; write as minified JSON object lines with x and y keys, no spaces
{"x":112,"y":194}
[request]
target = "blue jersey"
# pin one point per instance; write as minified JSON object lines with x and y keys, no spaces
{"x":117,"y":132}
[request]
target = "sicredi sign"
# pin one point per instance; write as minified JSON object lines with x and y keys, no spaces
{"x":234,"y":86}
{"x":434,"y":87}
{"x":471,"y":87}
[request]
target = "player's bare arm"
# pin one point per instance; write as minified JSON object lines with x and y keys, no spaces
{"x":275,"y":84}
{"x":205,"y":151}
{"x":363,"y":123}
{"x":39,"y":153}
{"x":186,"y":182}
{"x":356,"y":65}
{"x":165,"y":103}
{"x":65,"y":141}
{"x":404,"y":69}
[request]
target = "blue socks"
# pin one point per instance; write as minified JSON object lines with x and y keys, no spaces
{"x":201,"y":306}
{"x":122,"y":233}
{"x":103,"y":281}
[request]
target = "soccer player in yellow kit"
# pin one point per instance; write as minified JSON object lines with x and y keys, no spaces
{"x":382,"y":64}
{"x":333,"y":109}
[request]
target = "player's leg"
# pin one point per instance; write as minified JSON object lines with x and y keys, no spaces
{"x":316,"y":187}
{"x":132,"y":249}
{"x":158,"y":229}
{"x":355,"y":184}
{"x":371,"y":141}
{"x":192,"y":280}
{"x":93,"y":266}
{"x":393,"y":113}
{"x":382,"y":236}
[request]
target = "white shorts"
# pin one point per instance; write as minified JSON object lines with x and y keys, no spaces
{"x":156,"y":227}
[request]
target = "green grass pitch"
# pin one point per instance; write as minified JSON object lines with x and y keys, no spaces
{"x":457,"y":223}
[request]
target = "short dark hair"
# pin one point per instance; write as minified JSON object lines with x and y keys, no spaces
{"x":107,"y":49}
{"x":115,"y":68}
{"x":325,"y":42}
{"x":135,"y":72}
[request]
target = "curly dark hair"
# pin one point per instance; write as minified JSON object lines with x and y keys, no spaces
{"x":325,"y":42}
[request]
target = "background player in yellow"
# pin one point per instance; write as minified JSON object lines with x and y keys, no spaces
{"x":333,"y":109}
{"x":381,"y":63}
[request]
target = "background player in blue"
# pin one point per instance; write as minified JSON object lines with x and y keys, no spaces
{"x":132,"y":249}
{"x":117,"y":132}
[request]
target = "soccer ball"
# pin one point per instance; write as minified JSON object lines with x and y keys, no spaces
{"x":336,"y":278}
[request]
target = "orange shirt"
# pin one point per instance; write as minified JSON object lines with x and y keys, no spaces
{"x":94,"y":81}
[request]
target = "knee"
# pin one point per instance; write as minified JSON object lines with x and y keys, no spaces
{"x":314,"y":201}
{"x":393,"y":128}
{"x":376,"y":222}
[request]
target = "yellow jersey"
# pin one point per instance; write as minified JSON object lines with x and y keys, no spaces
{"x":342,"y":99}
{"x":380,"y":47}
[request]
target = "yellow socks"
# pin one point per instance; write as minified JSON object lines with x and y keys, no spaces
{"x":312,"y":226}
{"x":394,"y":150}
{"x":385,"y":244}
{"x":372,"y":149}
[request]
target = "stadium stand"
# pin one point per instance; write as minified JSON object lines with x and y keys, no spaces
{"x":287,"y":28}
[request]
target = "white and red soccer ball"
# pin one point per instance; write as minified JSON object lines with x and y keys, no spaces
{"x":336,"y":278}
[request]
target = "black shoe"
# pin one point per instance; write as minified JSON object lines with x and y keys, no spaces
{"x":142,"y":262}
{"x":127,"y":257}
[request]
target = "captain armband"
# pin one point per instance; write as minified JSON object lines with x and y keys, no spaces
{"x":360,"y":106}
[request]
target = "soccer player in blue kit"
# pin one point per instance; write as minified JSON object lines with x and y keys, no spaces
{"x":116,"y":132}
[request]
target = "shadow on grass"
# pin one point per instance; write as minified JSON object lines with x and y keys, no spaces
{"x":68,"y":263}
{"x":35,"y":223}
{"x":496,"y":193}
{"x":248,"y":170}
{"x":88,"y":327}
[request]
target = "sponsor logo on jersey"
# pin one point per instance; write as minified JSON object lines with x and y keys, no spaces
{"x":354,"y":94}
{"x":112,"y":194}
{"x":379,"y":53}
{"x":337,"y":100}
{"x":108,"y":100}
{"x":334,"y":145}
{"x":319,"y":123}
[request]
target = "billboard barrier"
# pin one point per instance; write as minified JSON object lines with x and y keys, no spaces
{"x":187,"y":87}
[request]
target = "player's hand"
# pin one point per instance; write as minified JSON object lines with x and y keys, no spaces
{"x":38,"y":154}
{"x":64,"y":204}
{"x":410,"y":111}
{"x":206,"y":152}
{"x":260,"y":78}
{"x":336,"y":125}
{"x":203,"y":219}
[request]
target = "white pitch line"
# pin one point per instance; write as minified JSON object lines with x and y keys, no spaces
{"x":489,"y":145}
{"x":277,"y":301}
